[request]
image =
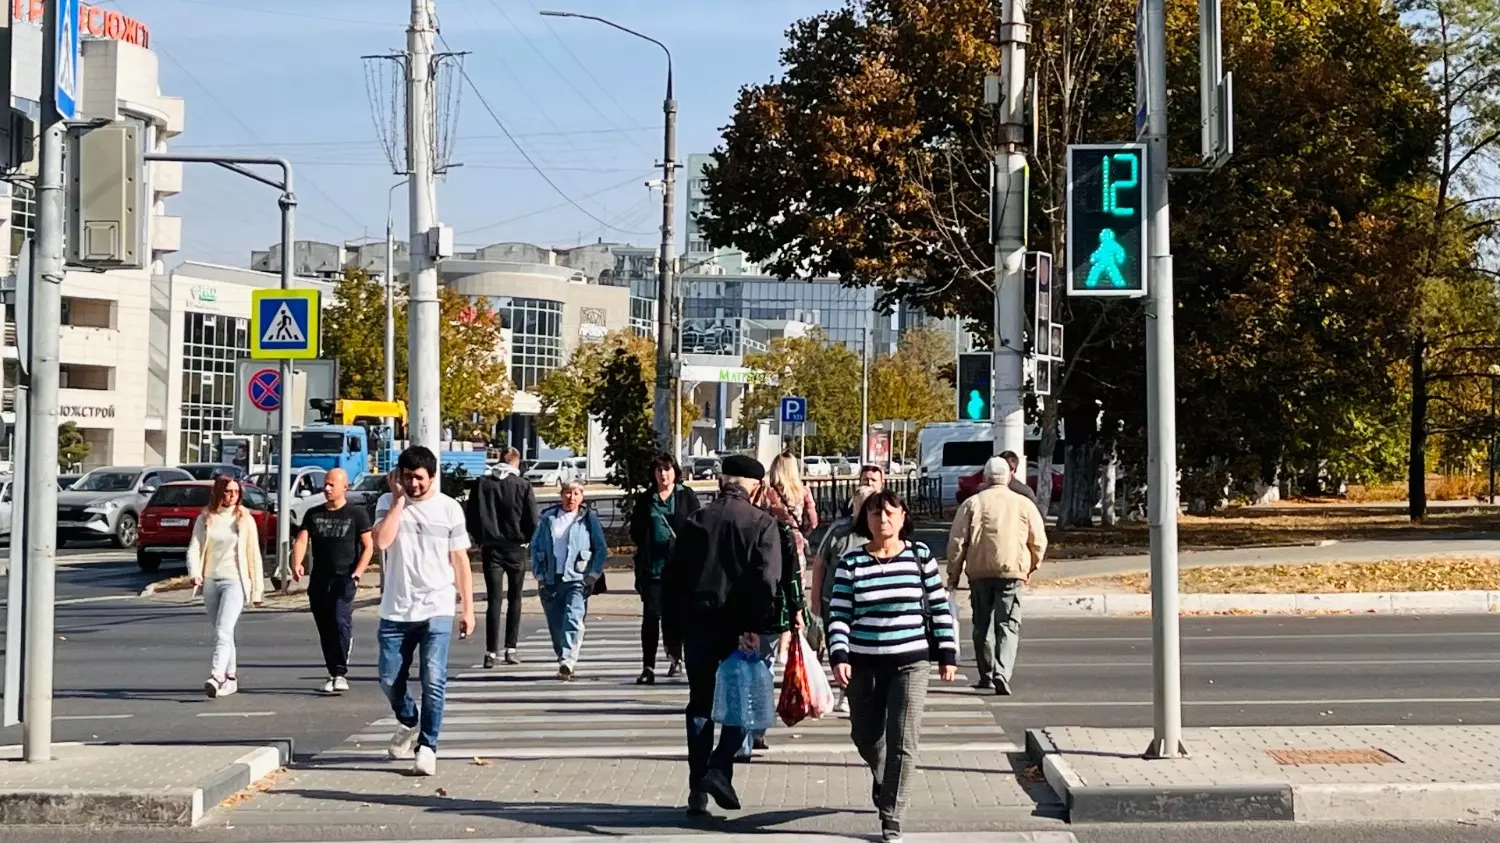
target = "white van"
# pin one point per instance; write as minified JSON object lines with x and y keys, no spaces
{"x":950,"y":450}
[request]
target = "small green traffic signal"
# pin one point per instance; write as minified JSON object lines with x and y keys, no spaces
{"x":974,"y":386}
{"x":1106,"y":220}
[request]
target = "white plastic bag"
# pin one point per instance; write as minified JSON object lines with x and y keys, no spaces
{"x":817,"y":679}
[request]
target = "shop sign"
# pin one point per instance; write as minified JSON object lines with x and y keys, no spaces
{"x":93,"y":20}
{"x":205,"y":293}
{"x":79,"y":411}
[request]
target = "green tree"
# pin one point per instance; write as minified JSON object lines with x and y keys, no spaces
{"x":71,"y":448}
{"x":910,"y":385}
{"x":476,"y":388}
{"x":566,"y":392}
{"x":354,"y":334}
{"x":826,"y":373}
{"x":620,"y":402}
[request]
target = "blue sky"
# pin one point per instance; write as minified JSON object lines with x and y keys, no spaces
{"x":284,"y":77}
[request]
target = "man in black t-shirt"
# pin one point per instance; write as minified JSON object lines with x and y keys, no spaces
{"x":340,"y":538}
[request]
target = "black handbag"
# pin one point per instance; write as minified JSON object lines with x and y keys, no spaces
{"x":929,"y":629}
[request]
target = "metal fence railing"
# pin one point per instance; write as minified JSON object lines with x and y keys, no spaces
{"x":923,"y":495}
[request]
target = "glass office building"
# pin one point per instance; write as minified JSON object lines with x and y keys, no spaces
{"x":536,"y":345}
{"x":211,"y":345}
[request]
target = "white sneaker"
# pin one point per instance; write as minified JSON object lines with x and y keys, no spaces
{"x":402,"y":742}
{"x":330,"y":687}
{"x":212,"y":686}
{"x":842,"y":706}
{"x":228,"y":686}
{"x":426,"y":762}
{"x":340,"y":684}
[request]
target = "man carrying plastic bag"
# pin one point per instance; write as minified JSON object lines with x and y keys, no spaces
{"x":719,"y":589}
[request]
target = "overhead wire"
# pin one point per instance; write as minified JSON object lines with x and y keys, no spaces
{"x":538,"y":211}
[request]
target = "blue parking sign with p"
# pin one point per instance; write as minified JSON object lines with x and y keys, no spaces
{"x":793,"y":409}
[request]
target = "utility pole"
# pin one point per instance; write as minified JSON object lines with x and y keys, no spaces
{"x":390,"y":294}
{"x":423,"y":328}
{"x":864,"y":395}
{"x":1161,"y":399}
{"x":41,"y":425}
{"x":677,"y":411}
{"x":1008,"y":377}
{"x":665,"y":293}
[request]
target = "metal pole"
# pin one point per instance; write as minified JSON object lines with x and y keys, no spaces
{"x":1008,"y":379}
{"x":1492,"y":437}
{"x":390,"y":294}
{"x":288,"y":204}
{"x":41,"y":463}
{"x":677,"y":414}
{"x":423,"y":366}
{"x":864,"y":395}
{"x":1161,"y":414}
{"x":665,"y":293}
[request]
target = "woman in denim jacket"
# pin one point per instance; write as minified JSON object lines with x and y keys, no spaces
{"x":567,"y":559}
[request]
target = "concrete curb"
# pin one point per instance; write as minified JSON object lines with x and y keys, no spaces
{"x":1041,"y":603}
{"x":1259,"y":802}
{"x":179,"y":806}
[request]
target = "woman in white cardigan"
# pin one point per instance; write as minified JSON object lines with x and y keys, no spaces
{"x":224,"y":559}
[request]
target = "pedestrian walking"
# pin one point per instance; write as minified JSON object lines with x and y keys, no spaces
{"x":502,"y":516}
{"x":339,"y":537}
{"x":998,"y":538}
{"x":223,"y":559}
{"x":719,"y":588}
{"x":838,"y":540}
{"x":791,"y":504}
{"x":425,"y":571}
{"x":1017,"y":483}
{"x":889,"y":617}
{"x":872,"y":476}
{"x":656,"y":520}
{"x":567,"y":558}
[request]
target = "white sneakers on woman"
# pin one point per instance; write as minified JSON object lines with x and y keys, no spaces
{"x":216,"y":687}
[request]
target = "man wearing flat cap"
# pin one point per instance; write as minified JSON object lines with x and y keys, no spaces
{"x":719,"y":591}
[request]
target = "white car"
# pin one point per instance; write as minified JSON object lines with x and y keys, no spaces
{"x":816,"y":467}
{"x":307,"y":490}
{"x":555,"y":473}
{"x":902,"y":469}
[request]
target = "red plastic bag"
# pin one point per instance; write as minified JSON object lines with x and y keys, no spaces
{"x":796,"y":703}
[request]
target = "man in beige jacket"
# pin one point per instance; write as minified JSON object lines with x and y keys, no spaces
{"x":998,"y":536}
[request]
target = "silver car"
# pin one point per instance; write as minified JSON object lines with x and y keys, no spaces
{"x":106,"y":503}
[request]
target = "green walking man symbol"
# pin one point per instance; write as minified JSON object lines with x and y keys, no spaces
{"x":1106,"y":261}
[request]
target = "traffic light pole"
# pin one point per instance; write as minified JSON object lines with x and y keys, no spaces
{"x":1008,"y":379}
{"x":1161,"y":402}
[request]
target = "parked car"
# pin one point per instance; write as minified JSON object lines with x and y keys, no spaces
{"x":167,"y":522}
{"x":211,"y":470}
{"x":307,"y":490}
{"x":970,"y":484}
{"x":106,"y":503}
{"x":816,"y":467}
{"x":706,"y":468}
{"x":555,"y":473}
{"x":843,"y":466}
{"x":66,"y":481}
{"x":901,"y":469}
{"x":366,"y":493}
{"x":6,"y":493}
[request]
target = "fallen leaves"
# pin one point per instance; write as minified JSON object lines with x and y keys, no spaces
{"x":1438,"y":573}
{"x":480,"y":762}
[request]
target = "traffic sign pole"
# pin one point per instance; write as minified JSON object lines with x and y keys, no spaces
{"x":288,"y":206}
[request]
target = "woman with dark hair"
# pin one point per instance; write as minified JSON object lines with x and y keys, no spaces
{"x":656,"y":519}
{"x":223,"y":558}
{"x":888,"y":619}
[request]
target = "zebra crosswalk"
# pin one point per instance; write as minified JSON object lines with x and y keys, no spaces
{"x":523,"y":711}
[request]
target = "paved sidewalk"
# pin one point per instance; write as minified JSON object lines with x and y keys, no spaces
{"x":128,"y":784}
{"x":1308,"y":773}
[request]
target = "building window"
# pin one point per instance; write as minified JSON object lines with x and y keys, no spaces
{"x":536,"y":343}
{"x":211,"y":345}
{"x":643,"y":316}
{"x":22,"y":215}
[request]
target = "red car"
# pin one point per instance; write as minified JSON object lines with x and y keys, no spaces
{"x":167,"y":521}
{"x":969,"y":484}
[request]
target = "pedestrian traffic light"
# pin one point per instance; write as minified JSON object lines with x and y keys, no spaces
{"x":974,"y":386}
{"x":1106,"y":225}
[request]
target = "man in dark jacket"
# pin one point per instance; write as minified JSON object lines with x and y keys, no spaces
{"x":1017,"y":482}
{"x":502,"y":515}
{"x":720,"y":589}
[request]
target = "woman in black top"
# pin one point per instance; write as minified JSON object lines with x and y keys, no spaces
{"x":656,"y":519}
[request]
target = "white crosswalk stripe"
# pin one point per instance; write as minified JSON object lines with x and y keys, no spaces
{"x":523,"y":711}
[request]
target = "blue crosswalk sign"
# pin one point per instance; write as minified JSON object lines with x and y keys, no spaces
{"x":284,"y":324}
{"x":793,"y":410}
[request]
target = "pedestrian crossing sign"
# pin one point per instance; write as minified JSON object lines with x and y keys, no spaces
{"x":284,"y":324}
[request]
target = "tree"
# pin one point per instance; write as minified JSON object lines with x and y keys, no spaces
{"x":354,"y":334}
{"x":620,"y":402}
{"x":868,"y":158}
{"x":72,"y":449}
{"x":566,"y":392}
{"x":826,"y":373}
{"x":1452,"y":335}
{"x":910,"y":385}
{"x":476,"y":388}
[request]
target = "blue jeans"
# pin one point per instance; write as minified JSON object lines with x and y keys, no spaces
{"x":398,"y":642}
{"x":564,"y":604}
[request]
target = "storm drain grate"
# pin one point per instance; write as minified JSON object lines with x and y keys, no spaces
{"x":1310,"y":757}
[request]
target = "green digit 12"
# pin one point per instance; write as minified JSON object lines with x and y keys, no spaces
{"x":1112,"y":187}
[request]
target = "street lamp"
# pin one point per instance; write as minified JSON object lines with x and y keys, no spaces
{"x":664,"y":293}
{"x":390,"y":292}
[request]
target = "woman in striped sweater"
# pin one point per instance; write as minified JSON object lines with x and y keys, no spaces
{"x":888,"y":619}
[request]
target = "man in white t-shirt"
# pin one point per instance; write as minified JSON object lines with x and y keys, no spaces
{"x":425,"y":570}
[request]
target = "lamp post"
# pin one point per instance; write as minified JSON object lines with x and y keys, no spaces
{"x":390,"y":292}
{"x":662,"y":406}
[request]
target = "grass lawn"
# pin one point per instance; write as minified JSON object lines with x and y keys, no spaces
{"x":1440,"y":573}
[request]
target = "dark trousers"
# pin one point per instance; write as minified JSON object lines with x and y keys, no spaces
{"x":701,"y":656}
{"x":885,"y":722}
{"x":331,"y":599}
{"x":653,"y":629}
{"x":503,"y":576}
